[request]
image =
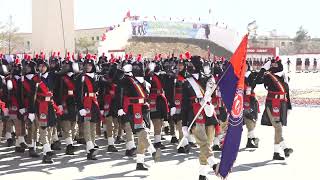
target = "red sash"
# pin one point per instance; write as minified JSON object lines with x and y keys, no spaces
{"x":136,"y":103}
{"x":108,"y":97}
{"x":196,"y":107}
{"x":70,"y":87}
{"x":155,"y":92}
{"x":13,"y":109}
{"x":276,"y":102}
{"x":89,"y":98}
{"x":178,"y":99}
{"x":43,"y":113}
{"x":178,"y":94}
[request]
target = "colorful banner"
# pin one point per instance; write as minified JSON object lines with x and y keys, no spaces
{"x":170,"y":29}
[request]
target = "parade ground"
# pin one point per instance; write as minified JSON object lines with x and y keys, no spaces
{"x":302,"y":134}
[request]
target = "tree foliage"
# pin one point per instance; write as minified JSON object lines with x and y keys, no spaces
{"x":85,"y":45}
{"x":9,"y":41}
{"x":301,"y":40}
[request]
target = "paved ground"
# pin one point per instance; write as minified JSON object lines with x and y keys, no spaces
{"x":250,"y":165}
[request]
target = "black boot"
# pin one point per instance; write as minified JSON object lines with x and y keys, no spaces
{"x":166,"y":130}
{"x":250,"y":143}
{"x":185,"y":149}
{"x":39,"y":144}
{"x":19,"y":150}
{"x":24,"y":145}
{"x":174,"y":140}
{"x":141,"y":167}
{"x":60,"y":135}
{"x":276,"y":156}
{"x":13,"y":135}
{"x":70,"y":149}
{"x":214,"y":168}
{"x":131,"y":152}
{"x":159,"y":145}
{"x":287,"y":152}
{"x":47,"y":159}
{"x":203,"y":177}
{"x":112,"y":148}
{"x":33,"y":153}
{"x":92,"y":154}
{"x":119,"y":140}
{"x":192,"y":144}
{"x":56,"y":146}
{"x":216,"y":148}
{"x":81,"y":141}
{"x":10,"y":142}
{"x":52,"y":154}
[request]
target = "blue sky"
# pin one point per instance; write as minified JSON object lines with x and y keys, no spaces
{"x":284,"y":15}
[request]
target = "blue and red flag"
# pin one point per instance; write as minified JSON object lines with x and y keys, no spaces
{"x":231,"y":86}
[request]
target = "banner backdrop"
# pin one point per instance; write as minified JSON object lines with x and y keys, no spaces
{"x":170,"y":29}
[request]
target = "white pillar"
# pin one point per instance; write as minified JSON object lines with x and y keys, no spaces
{"x":53,"y":26}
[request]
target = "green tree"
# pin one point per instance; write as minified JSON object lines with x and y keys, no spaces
{"x":85,"y":45}
{"x":10,"y":42}
{"x":301,"y":40}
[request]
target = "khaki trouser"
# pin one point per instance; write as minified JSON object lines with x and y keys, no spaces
{"x":129,"y":134}
{"x":224,"y":126}
{"x":204,"y":137}
{"x":250,"y":124}
{"x":32,"y":129}
{"x":120,"y":129}
{"x":276,"y":123}
{"x":8,"y":126}
{"x":68,"y":129}
{"x":89,"y":131}
{"x":179,"y":128}
{"x":20,"y":128}
{"x":46,"y":135}
{"x":112,"y":127}
{"x":157,"y":125}
{"x":1,"y":129}
{"x":80,"y":130}
{"x":143,"y":141}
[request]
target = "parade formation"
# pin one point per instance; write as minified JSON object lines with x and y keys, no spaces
{"x":47,"y":100}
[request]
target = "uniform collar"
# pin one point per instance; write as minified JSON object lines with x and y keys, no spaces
{"x":90,"y":74}
{"x":69,"y":74}
{"x":45,"y":75}
{"x":280,"y":74}
{"x":29,"y":76}
{"x":17,"y":77}
{"x":247,"y":74}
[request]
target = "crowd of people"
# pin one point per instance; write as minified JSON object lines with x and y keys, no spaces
{"x":42,"y":97}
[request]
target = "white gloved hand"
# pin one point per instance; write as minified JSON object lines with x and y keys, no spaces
{"x":121,"y":112}
{"x":31,"y":117}
{"x":173,"y":111}
{"x":102,"y":112}
{"x":22,"y":111}
{"x":5,"y":111}
{"x":60,"y":108}
{"x":83,"y":112}
{"x":266,"y":66}
{"x":209,"y":110}
{"x":185,"y":131}
{"x":9,"y":85}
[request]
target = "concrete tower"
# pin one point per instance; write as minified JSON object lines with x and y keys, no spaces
{"x":53,"y":26}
